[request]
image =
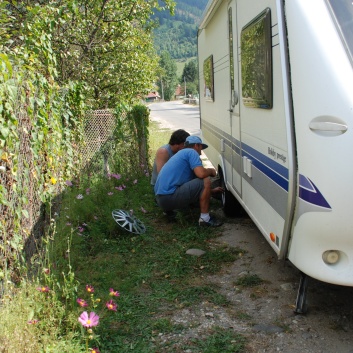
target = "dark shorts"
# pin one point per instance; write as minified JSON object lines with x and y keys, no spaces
{"x":184,"y":195}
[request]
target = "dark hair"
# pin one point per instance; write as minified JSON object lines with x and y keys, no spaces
{"x":178,"y":137}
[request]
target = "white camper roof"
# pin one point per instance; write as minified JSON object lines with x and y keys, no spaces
{"x":211,"y":7}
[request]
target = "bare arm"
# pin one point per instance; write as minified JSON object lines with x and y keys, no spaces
{"x":203,"y":173}
{"x":162,"y":156}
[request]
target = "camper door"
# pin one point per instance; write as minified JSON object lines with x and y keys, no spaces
{"x":234,"y":98}
{"x":265,"y":120}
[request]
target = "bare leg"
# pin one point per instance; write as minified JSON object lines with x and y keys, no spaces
{"x":205,"y":196}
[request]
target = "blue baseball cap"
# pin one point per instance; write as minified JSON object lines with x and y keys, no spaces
{"x":192,"y":140}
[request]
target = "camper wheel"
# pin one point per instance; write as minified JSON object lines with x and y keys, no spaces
{"x":231,"y":207}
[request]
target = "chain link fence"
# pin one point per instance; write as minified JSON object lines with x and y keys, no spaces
{"x":99,"y":151}
{"x":98,"y":141}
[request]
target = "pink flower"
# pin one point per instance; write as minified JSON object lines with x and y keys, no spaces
{"x":143,"y":210}
{"x":68,"y":224}
{"x":95,"y":350}
{"x":89,"y":288}
{"x":81,"y":229}
{"x":90,"y":320}
{"x":81,"y":302}
{"x":111,"y":305}
{"x":114,"y":293}
{"x":68,"y":183}
{"x":43,"y":289}
{"x":116,"y":176}
{"x":33,"y":322}
{"x":88,"y":191}
{"x":135,"y":181}
{"x":110,"y":193}
{"x":119,"y":188}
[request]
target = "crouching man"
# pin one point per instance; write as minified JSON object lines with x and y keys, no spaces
{"x":183,"y":181}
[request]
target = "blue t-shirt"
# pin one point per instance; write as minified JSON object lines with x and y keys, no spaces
{"x":178,"y":170}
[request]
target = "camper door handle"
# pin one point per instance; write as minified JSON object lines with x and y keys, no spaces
{"x":328,"y":126}
{"x":230,"y":110}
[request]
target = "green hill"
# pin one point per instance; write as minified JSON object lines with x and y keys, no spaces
{"x":178,"y":34}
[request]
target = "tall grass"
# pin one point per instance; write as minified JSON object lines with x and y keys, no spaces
{"x":85,"y":246}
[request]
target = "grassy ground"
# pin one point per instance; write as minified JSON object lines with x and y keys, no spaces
{"x":152,"y":273}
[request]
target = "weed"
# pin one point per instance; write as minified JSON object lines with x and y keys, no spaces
{"x":166,"y":326}
{"x":243,"y":316}
{"x":219,"y":340}
{"x":249,"y":280}
{"x":286,"y":328}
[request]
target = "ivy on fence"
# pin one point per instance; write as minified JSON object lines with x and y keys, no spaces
{"x":40,"y":127}
{"x":46,"y":139}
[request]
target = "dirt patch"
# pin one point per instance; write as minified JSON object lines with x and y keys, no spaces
{"x":263,"y":310}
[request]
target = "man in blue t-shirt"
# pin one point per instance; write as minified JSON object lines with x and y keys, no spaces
{"x":183,"y":181}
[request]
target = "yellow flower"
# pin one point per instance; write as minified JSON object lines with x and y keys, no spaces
{"x":53,"y":180}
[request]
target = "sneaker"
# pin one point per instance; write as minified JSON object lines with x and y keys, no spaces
{"x":213,"y":222}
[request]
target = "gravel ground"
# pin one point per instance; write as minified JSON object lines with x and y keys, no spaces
{"x":264,"y":313}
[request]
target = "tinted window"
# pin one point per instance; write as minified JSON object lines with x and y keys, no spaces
{"x":208,"y":78}
{"x":256,"y":62}
{"x":343,"y":13}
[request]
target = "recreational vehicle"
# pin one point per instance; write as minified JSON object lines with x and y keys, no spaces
{"x":276,"y":104}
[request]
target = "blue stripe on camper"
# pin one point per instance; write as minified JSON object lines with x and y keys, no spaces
{"x":269,"y":167}
{"x":278,"y":173}
{"x":310,"y":193}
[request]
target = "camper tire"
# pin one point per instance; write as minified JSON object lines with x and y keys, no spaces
{"x":231,"y":206}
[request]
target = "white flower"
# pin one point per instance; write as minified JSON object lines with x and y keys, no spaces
{"x":79,"y":197}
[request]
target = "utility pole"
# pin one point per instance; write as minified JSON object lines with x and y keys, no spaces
{"x":184,"y":87}
{"x":162,"y":90}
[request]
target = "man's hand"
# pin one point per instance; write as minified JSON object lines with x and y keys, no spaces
{"x":217,"y":190}
{"x":212,"y":171}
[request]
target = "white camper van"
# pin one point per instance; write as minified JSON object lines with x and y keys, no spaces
{"x":276,"y":103}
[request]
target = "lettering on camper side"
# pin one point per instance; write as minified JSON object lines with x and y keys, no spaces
{"x":276,"y":155}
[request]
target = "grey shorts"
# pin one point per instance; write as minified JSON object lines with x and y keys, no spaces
{"x":185,"y":195}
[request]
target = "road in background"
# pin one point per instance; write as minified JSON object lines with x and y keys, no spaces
{"x":176,"y":115}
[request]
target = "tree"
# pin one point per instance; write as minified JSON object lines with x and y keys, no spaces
{"x":190,"y":71}
{"x":190,"y":77}
{"x":168,"y":76}
{"x":105,"y":43}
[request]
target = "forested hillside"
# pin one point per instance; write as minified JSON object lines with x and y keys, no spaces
{"x":178,"y":34}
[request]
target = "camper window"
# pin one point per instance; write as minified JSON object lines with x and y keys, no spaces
{"x":208,"y":78}
{"x":343,"y":14}
{"x":256,"y":62}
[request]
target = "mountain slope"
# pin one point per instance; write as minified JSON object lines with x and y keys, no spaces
{"x":178,"y":34}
